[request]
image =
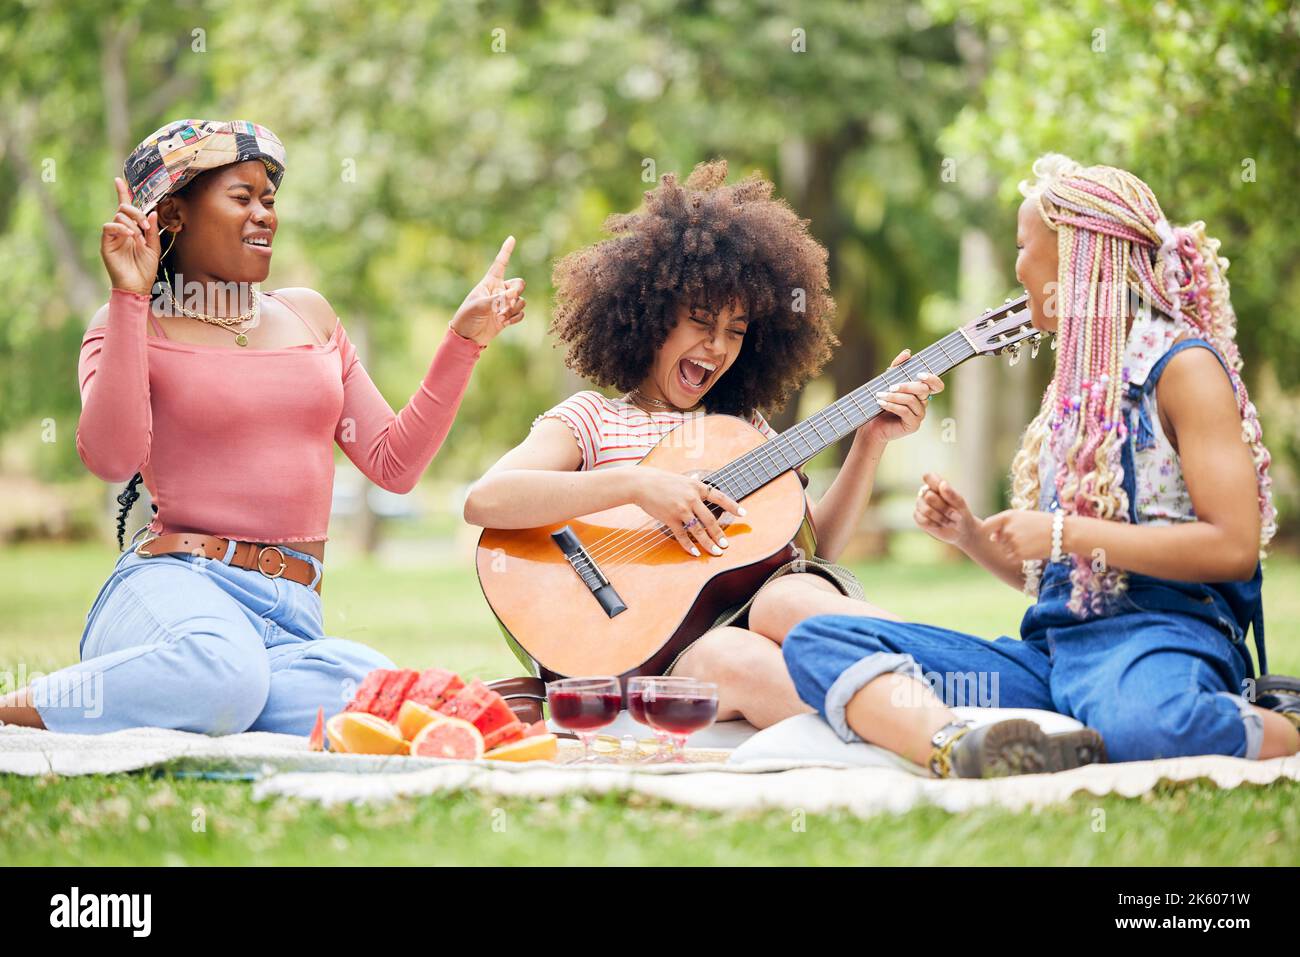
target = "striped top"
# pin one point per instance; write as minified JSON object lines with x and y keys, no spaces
{"x":612,"y":432}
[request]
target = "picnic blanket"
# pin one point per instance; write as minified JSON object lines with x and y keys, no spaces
{"x":752,"y":777}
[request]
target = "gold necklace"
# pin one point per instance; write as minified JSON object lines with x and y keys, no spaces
{"x":253,"y":316}
{"x":667,"y":406}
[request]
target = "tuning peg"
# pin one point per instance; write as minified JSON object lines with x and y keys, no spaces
{"x":1053,"y":342}
{"x":1033,"y":348}
{"x":1006,"y":300}
{"x":1015,"y":353}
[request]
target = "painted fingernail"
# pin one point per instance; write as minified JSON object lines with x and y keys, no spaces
{"x":723,"y":541}
{"x":742,"y":510}
{"x":715,"y":550}
{"x":695,"y":551}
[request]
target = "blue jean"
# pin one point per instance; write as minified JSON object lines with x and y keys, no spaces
{"x":185,"y":642}
{"x":1153,"y":683}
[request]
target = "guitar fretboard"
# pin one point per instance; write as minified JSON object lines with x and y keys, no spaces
{"x":799,"y":443}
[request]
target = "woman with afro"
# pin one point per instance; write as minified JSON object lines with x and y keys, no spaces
{"x":712,"y":298}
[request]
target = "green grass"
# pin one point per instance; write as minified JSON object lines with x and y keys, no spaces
{"x":433,"y":614}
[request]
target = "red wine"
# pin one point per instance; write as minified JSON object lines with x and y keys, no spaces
{"x":584,"y":710}
{"x":636,"y":706}
{"x":680,"y":714}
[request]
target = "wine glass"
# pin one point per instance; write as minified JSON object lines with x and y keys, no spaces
{"x":584,"y":706}
{"x":680,"y":707}
{"x":636,"y":708}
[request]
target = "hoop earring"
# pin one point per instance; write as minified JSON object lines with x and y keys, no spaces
{"x":164,"y":253}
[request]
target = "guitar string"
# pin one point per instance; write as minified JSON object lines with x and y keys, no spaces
{"x":616,"y":542}
{"x":627,"y":551}
{"x":649,"y":543}
{"x":659,"y":537}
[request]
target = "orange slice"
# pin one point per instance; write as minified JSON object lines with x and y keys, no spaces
{"x":452,"y":738}
{"x":539,"y":747}
{"x":355,"y":732}
{"x":413,"y":717}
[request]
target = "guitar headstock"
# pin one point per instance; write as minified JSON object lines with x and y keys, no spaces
{"x":1004,"y":329}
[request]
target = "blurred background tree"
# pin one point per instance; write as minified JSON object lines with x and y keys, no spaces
{"x":420,"y":135}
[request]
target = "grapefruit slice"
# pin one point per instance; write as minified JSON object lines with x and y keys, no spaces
{"x":413,"y":717}
{"x":538,"y":747}
{"x":355,"y":732}
{"x":452,"y":738}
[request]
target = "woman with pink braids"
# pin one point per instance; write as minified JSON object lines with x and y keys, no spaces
{"x":1141,"y":509}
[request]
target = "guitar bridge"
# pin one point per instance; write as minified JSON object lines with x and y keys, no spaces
{"x":582,"y":563}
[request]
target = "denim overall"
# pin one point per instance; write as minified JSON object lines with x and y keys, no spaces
{"x":1159,"y":673}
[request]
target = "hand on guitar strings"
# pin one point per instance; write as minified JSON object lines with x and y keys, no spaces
{"x":681,"y":503}
{"x":904,"y":406}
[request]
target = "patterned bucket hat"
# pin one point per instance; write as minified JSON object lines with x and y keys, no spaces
{"x":172,"y":156}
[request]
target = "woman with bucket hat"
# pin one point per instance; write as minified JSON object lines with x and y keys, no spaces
{"x":227,"y":404}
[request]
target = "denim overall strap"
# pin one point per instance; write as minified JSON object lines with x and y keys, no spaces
{"x":1243,"y":598}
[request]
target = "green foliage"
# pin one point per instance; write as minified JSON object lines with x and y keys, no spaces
{"x":419,"y":135}
{"x":1199,"y":99}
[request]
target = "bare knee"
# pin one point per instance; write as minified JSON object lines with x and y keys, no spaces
{"x":724,"y":656}
{"x":783,"y":603}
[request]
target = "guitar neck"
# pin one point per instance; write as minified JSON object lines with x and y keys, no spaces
{"x":799,"y":443}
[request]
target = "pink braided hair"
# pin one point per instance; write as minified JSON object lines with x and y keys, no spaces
{"x":1108,"y":222}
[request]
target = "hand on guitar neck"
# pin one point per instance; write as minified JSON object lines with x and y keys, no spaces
{"x":601,"y":571}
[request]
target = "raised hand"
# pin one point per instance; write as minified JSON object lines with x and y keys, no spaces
{"x":493,"y":304}
{"x":943,"y":514}
{"x":129,"y":245}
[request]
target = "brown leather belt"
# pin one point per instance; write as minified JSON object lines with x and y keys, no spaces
{"x":270,"y":560}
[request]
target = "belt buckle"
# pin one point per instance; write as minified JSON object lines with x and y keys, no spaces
{"x":139,"y":548}
{"x":283,"y":565}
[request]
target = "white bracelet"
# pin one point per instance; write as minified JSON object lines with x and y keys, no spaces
{"x":1058,"y":532}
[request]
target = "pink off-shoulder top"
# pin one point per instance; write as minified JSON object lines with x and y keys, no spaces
{"x":240,"y":442}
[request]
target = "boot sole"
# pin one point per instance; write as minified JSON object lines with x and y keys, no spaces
{"x":1074,"y":749}
{"x":1020,"y":746}
{"x":1014,"y":746}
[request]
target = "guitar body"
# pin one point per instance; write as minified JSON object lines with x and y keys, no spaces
{"x":550,"y":615}
{"x":613,"y":593}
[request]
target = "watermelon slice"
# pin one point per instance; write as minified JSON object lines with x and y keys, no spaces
{"x":434,"y":687}
{"x":482,"y":707}
{"x":316,"y":740}
{"x":389,"y":700}
{"x":373,"y":683}
{"x":535,"y":729}
{"x":506,"y":734}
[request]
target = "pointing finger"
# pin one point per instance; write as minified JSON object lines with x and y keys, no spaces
{"x":498,"y":268}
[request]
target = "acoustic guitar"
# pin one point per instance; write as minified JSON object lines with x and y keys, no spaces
{"x":613,"y":593}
